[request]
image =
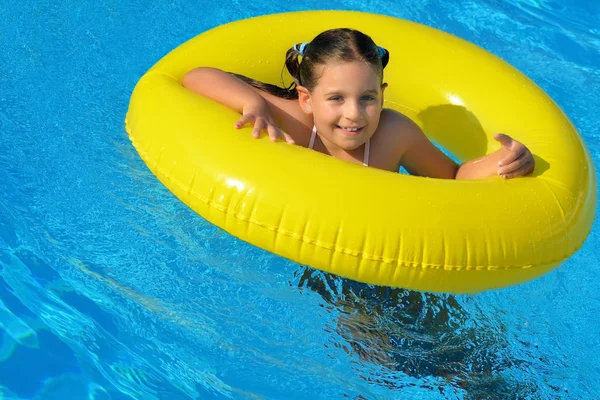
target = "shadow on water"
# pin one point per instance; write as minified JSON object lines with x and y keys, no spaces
{"x":398,"y":334}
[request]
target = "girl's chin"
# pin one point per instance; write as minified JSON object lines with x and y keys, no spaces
{"x":346,"y":142}
{"x":349,"y":145}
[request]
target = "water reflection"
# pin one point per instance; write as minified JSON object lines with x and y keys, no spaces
{"x":395,"y":334}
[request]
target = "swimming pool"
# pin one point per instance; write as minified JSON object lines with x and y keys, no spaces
{"x":112,"y":288}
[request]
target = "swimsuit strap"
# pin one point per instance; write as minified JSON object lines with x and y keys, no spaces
{"x":313,"y":136}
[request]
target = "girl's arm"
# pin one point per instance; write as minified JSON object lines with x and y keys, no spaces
{"x":511,"y":160}
{"x":422,"y":158}
{"x":237,"y":95}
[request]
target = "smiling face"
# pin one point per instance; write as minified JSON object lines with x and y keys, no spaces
{"x":346,"y":103}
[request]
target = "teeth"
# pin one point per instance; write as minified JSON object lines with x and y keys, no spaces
{"x":350,"y":129}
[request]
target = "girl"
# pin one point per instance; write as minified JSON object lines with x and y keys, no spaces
{"x":335,"y":106}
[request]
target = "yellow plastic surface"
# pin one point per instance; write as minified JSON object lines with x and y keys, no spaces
{"x":390,"y":229}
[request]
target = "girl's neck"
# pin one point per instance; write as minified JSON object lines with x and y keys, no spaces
{"x":325,"y":146}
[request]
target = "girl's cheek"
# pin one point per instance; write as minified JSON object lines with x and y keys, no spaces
{"x":374,"y":110}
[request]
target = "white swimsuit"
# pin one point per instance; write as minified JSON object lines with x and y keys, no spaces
{"x":313,"y":136}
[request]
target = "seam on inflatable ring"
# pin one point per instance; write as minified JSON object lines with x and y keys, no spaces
{"x":329,"y":246}
{"x":562,"y":212}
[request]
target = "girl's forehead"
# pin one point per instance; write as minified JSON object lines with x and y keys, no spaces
{"x":346,"y":73}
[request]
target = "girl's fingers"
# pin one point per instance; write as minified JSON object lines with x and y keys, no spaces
{"x":504,"y":140}
{"x":243,"y":121}
{"x":525,"y":169}
{"x":258,"y":126}
{"x":272,"y":131}
{"x":514,"y":165}
{"x":279,"y":132}
{"x":513,"y":156}
{"x":287,"y":137}
{"x":261,"y":124}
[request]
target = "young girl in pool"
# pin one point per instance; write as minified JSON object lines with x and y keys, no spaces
{"x":335,"y":106}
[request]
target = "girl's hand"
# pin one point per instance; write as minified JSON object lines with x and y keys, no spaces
{"x":262,"y":119}
{"x":518,"y":160}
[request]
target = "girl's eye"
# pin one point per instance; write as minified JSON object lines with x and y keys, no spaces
{"x":364,"y":98}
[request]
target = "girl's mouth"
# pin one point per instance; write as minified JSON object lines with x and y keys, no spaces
{"x":349,"y":131}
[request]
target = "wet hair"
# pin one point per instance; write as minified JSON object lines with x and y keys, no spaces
{"x":342,"y":44}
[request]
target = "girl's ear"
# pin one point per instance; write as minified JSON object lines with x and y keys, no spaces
{"x":304,"y":100}
{"x":383,"y":87}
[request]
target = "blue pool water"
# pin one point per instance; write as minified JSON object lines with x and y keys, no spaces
{"x":110,"y":288}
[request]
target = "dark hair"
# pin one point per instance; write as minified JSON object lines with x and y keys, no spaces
{"x":340,"y":44}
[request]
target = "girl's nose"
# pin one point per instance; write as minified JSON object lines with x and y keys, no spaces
{"x":352,"y":110}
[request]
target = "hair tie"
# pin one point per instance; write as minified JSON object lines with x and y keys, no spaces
{"x":300,"y":49}
{"x":382,"y":51}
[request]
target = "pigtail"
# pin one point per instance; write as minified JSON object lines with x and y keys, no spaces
{"x":292,"y":64}
{"x":385,"y":56}
{"x":284,"y":93}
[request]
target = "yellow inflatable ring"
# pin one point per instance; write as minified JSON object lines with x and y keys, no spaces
{"x":362,"y":223}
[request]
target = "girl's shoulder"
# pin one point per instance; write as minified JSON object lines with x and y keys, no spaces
{"x":395,"y":120}
{"x":396,"y":129}
{"x":394,"y":136}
